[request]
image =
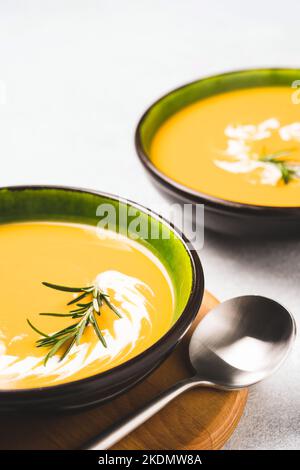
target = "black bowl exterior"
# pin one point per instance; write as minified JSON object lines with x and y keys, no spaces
{"x":239,"y":221}
{"x":104,"y":386}
{"x":222,"y":216}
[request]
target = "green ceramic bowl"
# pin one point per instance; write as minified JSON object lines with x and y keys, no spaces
{"x":220,"y":215}
{"x":31,"y":203}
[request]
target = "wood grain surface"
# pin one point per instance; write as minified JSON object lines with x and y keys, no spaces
{"x":199,"y":419}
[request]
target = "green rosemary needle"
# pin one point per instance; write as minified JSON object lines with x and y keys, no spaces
{"x":285,"y":167}
{"x":86,"y":314}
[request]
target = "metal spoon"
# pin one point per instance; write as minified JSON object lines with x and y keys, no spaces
{"x":239,"y":343}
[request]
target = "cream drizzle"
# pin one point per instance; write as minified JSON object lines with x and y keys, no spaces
{"x":239,"y":149}
{"x":134,"y":307}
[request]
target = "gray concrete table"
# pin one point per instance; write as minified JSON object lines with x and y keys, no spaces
{"x":74,"y":78}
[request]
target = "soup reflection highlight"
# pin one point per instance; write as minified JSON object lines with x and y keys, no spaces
{"x":70,"y":254}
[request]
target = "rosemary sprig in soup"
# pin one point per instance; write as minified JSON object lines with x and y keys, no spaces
{"x":282,"y":160}
{"x":88,"y":303}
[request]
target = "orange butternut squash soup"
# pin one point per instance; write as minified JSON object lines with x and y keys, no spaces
{"x":136,"y":302}
{"x":241,"y":146}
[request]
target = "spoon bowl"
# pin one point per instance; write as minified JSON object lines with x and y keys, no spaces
{"x":241,"y":341}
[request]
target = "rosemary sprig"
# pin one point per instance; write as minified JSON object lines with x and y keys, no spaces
{"x":285,"y":166}
{"x":86,"y":313}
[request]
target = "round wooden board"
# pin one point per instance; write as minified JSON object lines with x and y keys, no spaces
{"x":199,"y":419}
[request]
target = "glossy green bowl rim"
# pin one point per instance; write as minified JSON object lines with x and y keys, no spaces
{"x":45,"y":209}
{"x":170,"y":103}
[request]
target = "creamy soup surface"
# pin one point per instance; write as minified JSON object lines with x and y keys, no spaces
{"x":74,"y":255}
{"x":241,"y":146}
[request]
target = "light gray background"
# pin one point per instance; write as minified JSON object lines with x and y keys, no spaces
{"x":74,"y":78}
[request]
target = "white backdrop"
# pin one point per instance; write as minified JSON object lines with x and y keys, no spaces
{"x":74,"y":78}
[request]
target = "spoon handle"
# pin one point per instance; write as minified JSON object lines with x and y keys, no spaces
{"x":119,"y":430}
